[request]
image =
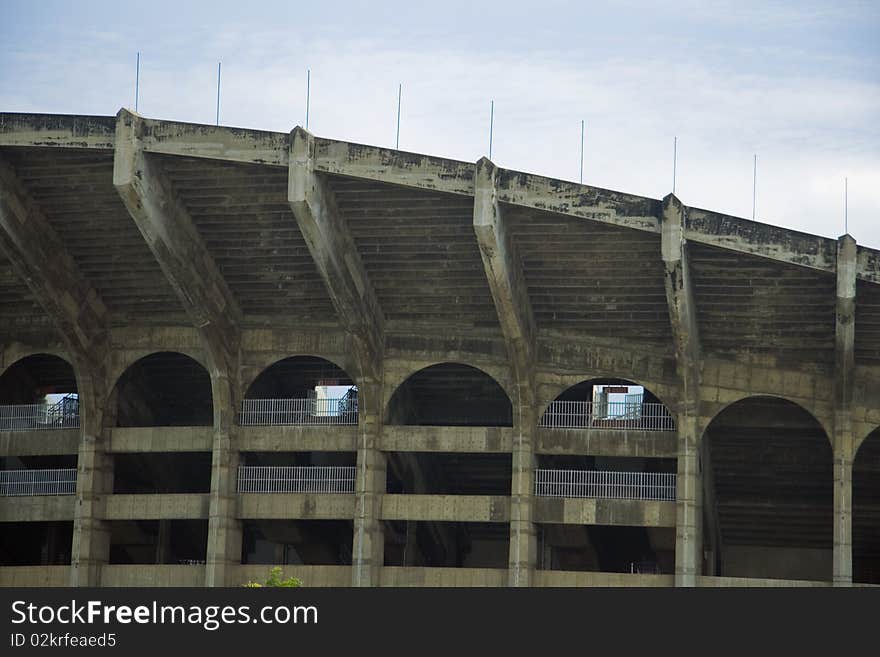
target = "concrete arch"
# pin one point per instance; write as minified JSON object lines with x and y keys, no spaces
{"x":568,"y":381}
{"x":396,"y":377}
{"x":391,"y":388}
{"x":123,"y":359}
{"x":861,"y":440}
{"x":746,"y":396}
{"x":253,"y":370}
{"x":196,"y":399}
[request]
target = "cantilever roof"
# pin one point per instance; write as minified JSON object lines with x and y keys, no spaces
{"x":590,"y":257}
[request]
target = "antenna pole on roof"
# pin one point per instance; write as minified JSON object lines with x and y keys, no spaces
{"x":674,"y":160}
{"x":308,"y":92}
{"x":397,"y":140}
{"x":491,"y":125}
{"x":846,"y":206}
{"x":755,"y":187}
{"x":137,"y":81}
{"x":218,"y":93}
{"x":582,"y":151}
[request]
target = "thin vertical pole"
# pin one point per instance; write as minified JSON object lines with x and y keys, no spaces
{"x":755,"y":187}
{"x":846,"y":206}
{"x":397,"y":140}
{"x":582,"y":151}
{"x":218,"y":93}
{"x":674,"y":160}
{"x":137,"y":81}
{"x":308,"y":92}
{"x":491,"y":126}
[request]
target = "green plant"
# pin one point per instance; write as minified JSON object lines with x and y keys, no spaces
{"x":275,"y":579}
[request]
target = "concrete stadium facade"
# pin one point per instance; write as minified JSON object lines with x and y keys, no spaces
{"x":190,"y":288}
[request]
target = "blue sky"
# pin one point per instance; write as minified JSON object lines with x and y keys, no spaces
{"x":798,"y":83}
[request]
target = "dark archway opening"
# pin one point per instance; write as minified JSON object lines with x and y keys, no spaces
{"x":39,"y":392}
{"x":768,"y":492}
{"x":450,"y":394}
{"x":301,"y":390}
{"x":866,"y":511}
{"x":165,"y":389}
{"x":611,"y":404}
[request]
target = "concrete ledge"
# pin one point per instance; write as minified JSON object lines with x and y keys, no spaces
{"x":39,"y":443}
{"x":477,"y":440}
{"x":311,"y":576}
{"x":298,"y":439}
{"x":397,"y":576}
{"x":158,"y":506}
{"x":577,"y":578}
{"x":35,"y":576}
{"x":37,"y":508}
{"x":602,"y":442}
{"x":161,"y":439}
{"x":455,"y":508}
{"x":152,"y":575}
{"x":291,"y":506}
{"x":630,"y":513}
{"x":756,"y":582}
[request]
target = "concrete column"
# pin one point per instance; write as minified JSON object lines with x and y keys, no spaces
{"x":368,"y":549}
{"x":688,"y":505}
{"x":843,"y":439}
{"x":224,"y":528}
{"x":94,"y":481}
{"x":683,"y":318}
{"x":523,"y":534}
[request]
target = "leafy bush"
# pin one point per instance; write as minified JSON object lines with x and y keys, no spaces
{"x":274,"y":579}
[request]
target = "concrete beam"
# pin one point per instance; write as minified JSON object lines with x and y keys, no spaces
{"x":394,"y":167}
{"x":57,"y":130}
{"x":171,"y":235}
{"x":744,"y":236}
{"x":42,"y":261}
{"x":868,"y":264}
{"x":333,"y":249}
{"x":505,"y":276}
{"x":680,"y":301}
{"x":215,"y":142}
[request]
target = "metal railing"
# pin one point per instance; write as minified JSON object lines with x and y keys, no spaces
{"x":295,"y":479}
{"x":605,"y":484}
{"x":609,"y":415}
{"x":299,"y":411}
{"x":38,"y":482}
{"x":63,"y":414}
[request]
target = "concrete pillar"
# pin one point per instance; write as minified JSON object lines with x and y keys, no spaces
{"x":523,"y":534}
{"x":94,"y":481}
{"x":843,"y":439}
{"x":688,"y":505}
{"x":368,"y":549}
{"x":224,"y":528}
{"x":685,"y":333}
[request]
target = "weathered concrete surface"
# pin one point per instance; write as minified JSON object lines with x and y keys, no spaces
{"x":631,"y":513}
{"x":265,"y":506}
{"x":57,"y":130}
{"x":39,"y":443}
{"x":132,"y":440}
{"x":447,"y":439}
{"x":844,"y":387}
{"x":334,"y":252}
{"x":39,"y":508}
{"x":298,"y":439}
{"x":604,"y":442}
{"x":575,"y":578}
{"x":159,"y":506}
{"x":117,"y":575}
{"x":460,"y":508}
{"x":35,"y":576}
{"x":756,"y":582}
{"x":397,"y":576}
